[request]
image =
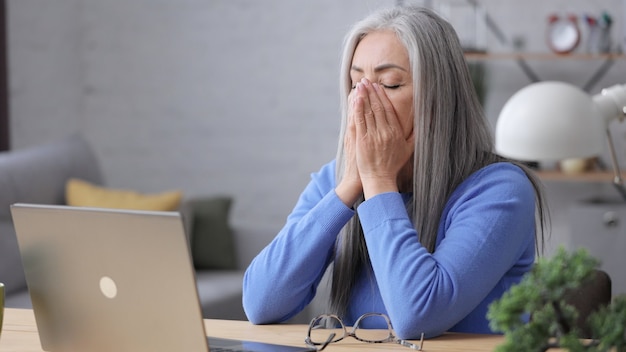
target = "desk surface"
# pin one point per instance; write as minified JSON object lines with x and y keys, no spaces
{"x":20,"y":334}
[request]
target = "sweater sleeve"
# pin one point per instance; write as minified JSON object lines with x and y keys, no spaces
{"x":282,"y":279}
{"x":487,"y":224}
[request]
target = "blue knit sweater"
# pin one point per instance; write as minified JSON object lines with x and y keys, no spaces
{"x":485,"y":243}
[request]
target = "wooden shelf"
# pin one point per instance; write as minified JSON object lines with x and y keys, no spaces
{"x":591,"y":176}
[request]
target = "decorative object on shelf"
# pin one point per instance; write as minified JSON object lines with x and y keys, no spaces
{"x":545,"y":294}
{"x":574,"y":166}
{"x":468,"y":19}
{"x":599,"y":39}
{"x":563,"y":34}
{"x":552,"y":121}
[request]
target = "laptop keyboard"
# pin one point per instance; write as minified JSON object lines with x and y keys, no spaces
{"x":228,"y":345}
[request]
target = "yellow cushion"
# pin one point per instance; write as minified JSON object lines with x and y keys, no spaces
{"x":84,"y":194}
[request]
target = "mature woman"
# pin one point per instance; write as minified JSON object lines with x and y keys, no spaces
{"x":419,"y":218}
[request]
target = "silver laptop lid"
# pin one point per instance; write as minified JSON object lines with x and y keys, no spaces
{"x":109,"y":280}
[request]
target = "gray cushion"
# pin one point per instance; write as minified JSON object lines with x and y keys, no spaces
{"x":212,"y":241}
{"x":11,"y":272}
{"x":19,"y":299}
{"x":221,"y":294}
{"x":38,"y":174}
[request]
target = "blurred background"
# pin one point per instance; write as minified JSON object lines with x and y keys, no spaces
{"x":240,"y":97}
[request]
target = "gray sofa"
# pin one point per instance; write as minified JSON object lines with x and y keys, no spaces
{"x":39,"y":175}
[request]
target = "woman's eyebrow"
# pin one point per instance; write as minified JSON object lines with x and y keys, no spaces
{"x":379,"y":68}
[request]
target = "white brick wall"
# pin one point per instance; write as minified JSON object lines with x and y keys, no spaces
{"x":223,"y":96}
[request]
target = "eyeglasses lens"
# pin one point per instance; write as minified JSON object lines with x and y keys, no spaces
{"x":372,"y":328}
{"x":322,"y":327}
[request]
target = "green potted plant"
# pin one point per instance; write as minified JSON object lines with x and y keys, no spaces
{"x":534,"y":314}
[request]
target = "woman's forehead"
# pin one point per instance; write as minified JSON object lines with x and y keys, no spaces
{"x":381,"y":47}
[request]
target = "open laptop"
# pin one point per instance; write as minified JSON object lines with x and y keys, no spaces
{"x":105,"y":280}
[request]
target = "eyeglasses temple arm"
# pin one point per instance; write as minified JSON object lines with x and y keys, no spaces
{"x":328,"y":340}
{"x":412,"y":345}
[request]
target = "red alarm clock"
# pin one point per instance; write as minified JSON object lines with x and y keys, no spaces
{"x":563,"y":34}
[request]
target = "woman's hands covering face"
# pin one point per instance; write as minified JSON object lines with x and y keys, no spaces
{"x":376,"y":147}
{"x":382,"y":146}
{"x":350,"y":186}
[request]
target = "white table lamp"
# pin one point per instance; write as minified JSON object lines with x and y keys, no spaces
{"x":552,"y":121}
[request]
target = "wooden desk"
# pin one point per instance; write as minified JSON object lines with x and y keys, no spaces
{"x":20,"y":334}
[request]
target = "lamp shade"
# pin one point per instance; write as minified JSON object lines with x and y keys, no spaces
{"x":548,"y":121}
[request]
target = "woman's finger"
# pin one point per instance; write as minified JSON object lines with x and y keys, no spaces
{"x":358,"y":115}
{"x":386,"y":106}
{"x":377,"y":106}
{"x":362,"y":93}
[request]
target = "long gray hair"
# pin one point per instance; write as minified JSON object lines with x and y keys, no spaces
{"x":452,"y":136}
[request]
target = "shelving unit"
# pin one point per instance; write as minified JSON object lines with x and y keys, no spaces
{"x":607,"y":61}
{"x":522,"y":59}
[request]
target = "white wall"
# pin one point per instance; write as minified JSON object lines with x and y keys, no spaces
{"x":227,"y":96}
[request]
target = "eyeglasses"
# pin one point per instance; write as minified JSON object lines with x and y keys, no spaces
{"x":328,"y":328}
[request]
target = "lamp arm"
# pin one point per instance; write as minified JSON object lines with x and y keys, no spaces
{"x":611,"y":103}
{"x":617,"y":177}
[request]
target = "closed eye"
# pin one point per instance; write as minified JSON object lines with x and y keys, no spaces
{"x":391,"y":87}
